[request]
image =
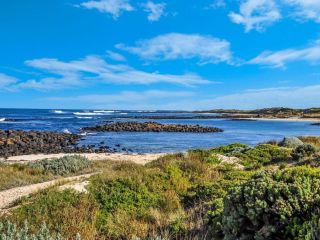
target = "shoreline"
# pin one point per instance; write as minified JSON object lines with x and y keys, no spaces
{"x":134,"y":157}
{"x":293,"y":119}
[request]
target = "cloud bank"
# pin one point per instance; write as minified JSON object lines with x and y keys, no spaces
{"x":172,"y":46}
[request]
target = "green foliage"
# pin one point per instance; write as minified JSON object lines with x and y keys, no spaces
{"x":230,"y":150}
{"x":66,"y":212}
{"x":305,"y":150}
{"x":213,"y":159}
{"x":10,"y":231}
{"x":122,"y":193}
{"x":272,"y":205}
{"x":17,"y":175}
{"x":62,"y":166}
{"x":263,"y":154}
{"x":183,"y":196}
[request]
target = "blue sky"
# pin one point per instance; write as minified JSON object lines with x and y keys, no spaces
{"x":159,"y":54}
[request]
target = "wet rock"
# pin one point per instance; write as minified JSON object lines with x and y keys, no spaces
{"x":150,"y":127}
{"x":16,"y":142}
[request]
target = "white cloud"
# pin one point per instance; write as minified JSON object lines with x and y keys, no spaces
{"x":113,"y":7}
{"x":256,"y":14}
{"x":218,"y":4}
{"x":94,"y":69}
{"x":182,"y":46}
{"x":281,"y":58}
{"x":6,"y":81}
{"x":155,"y":10}
{"x":305,"y":9}
{"x":116,"y":56}
{"x":294,"y":97}
{"x":151,"y":99}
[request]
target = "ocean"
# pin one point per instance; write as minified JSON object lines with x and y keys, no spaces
{"x":70,"y":121}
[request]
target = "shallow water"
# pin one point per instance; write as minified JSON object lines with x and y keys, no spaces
{"x":249,"y":132}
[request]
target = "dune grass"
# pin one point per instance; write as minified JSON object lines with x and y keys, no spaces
{"x":17,"y":175}
{"x":182,"y":196}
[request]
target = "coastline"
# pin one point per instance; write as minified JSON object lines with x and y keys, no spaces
{"x":293,"y":119}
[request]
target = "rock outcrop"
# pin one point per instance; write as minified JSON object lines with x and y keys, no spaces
{"x":150,"y":127}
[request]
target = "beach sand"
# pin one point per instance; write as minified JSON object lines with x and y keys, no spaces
{"x":293,"y":119}
{"x":136,"y":158}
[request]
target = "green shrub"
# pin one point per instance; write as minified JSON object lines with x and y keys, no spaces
{"x":230,"y":149}
{"x":272,"y":205}
{"x":66,"y":212}
{"x":213,"y":159}
{"x":125,"y":194}
{"x":263,"y":154}
{"x":10,"y":231}
{"x":62,"y":166}
{"x":305,"y":150}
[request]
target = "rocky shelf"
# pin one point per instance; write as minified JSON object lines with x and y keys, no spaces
{"x":150,"y":127}
{"x":14,"y":143}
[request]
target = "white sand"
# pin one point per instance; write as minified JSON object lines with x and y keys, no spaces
{"x":137,"y":158}
{"x":293,"y":119}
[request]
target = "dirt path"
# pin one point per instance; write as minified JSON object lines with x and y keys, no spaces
{"x":8,"y":197}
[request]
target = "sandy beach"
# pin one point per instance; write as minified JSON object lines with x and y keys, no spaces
{"x":136,"y":158}
{"x":293,"y":119}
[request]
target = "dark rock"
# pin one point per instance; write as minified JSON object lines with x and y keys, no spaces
{"x":150,"y":127}
{"x":14,"y":143}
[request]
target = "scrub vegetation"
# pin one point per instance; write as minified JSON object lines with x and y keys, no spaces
{"x":195,"y":195}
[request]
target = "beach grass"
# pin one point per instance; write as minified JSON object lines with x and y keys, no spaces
{"x":182,"y":196}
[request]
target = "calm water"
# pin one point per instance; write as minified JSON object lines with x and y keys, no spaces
{"x":249,"y":132}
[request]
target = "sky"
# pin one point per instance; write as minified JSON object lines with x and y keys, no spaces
{"x":159,"y":54}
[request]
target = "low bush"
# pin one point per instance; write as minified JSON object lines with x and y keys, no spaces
{"x":66,"y":212}
{"x":9,"y":231}
{"x":305,"y":150}
{"x":276,"y":205}
{"x":62,"y":166}
{"x":230,"y":150}
{"x":263,"y":154}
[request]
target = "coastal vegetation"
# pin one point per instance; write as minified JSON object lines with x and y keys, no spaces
{"x":270,"y":112}
{"x":228,"y":192}
{"x":17,"y":175}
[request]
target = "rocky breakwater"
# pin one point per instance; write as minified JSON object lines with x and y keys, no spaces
{"x":14,"y":143}
{"x":150,"y":127}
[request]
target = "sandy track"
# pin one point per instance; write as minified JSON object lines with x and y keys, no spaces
{"x":137,"y":158}
{"x":8,"y":197}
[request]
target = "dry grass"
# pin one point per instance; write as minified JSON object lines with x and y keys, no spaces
{"x":311,"y":140}
{"x":19,"y":175}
